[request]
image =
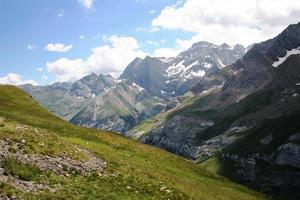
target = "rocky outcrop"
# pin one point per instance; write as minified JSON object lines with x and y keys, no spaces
{"x":58,"y":165}
{"x":178,"y":135}
{"x":288,"y":154}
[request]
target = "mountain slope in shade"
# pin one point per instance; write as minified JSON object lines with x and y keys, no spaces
{"x":119,"y":108}
{"x":44,"y":157}
{"x":57,"y":99}
{"x":247,"y":116}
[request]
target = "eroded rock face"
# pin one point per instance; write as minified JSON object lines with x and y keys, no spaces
{"x":178,"y":135}
{"x":288,"y":154}
{"x":294,"y":137}
{"x":266,"y":140}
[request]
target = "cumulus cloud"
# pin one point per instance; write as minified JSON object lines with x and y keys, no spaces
{"x":39,"y":69}
{"x":86,"y":3}
{"x":81,"y":37}
{"x":166,"y":52}
{"x":148,"y":30}
{"x":44,"y":77}
{"x":231,"y":21}
{"x":15,"y":79}
{"x":58,"y":47}
{"x":152,"y":11}
{"x":61,"y":13}
{"x":31,"y":47}
{"x":67,"y":70}
{"x":105,"y":59}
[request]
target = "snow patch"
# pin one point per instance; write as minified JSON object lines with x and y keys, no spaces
{"x":176,"y":69}
{"x":288,"y":54}
{"x":200,"y":73}
{"x":165,"y":60}
{"x":138,"y":87}
{"x":207,"y":65}
{"x":191,"y":65}
{"x":163,"y":92}
{"x":221,"y":63}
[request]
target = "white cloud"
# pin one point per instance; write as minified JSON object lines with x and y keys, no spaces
{"x":31,"y":47}
{"x":61,"y":13}
{"x":81,"y":37}
{"x":44,"y":77}
{"x":152,"y":11}
{"x":86,"y":3}
{"x":67,"y":70}
{"x":39,"y":69}
{"x":15,"y":79}
{"x":106,"y":59}
{"x":167,"y":52}
{"x":156,"y":43}
{"x":58,"y":47}
{"x":148,"y":30}
{"x":180,"y":46}
{"x":231,"y":21}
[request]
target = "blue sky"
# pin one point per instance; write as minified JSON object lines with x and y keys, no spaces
{"x":63,"y":40}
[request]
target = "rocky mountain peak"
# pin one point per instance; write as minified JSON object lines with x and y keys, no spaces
{"x":92,"y":85}
{"x":287,"y":40}
{"x":201,"y":44}
{"x":225,"y":46}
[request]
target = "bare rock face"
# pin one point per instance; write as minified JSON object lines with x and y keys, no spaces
{"x":266,"y":140}
{"x":178,"y":135}
{"x":288,"y":154}
{"x":295,"y":137}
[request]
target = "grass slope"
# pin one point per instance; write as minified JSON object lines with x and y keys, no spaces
{"x":133,"y":171}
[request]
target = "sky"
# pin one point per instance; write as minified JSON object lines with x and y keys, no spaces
{"x":45,"y":41}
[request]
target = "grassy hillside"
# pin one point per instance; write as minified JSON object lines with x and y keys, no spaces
{"x":132,"y":170}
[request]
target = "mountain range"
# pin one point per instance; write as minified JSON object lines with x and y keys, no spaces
{"x":233,"y":110}
{"x":145,"y":88}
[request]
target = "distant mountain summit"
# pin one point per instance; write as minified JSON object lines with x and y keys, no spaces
{"x":165,"y":77}
{"x":92,"y":85}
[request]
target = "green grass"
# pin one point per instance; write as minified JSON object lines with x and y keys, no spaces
{"x":225,"y":117}
{"x":17,"y":169}
{"x":134,"y":170}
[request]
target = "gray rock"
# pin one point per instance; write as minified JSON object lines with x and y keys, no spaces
{"x":295,"y":136}
{"x":266,"y":140}
{"x":288,"y":154}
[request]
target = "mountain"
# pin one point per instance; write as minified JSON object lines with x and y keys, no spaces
{"x":175,"y":76}
{"x":243,"y":120}
{"x":57,"y":98}
{"x":119,"y":108}
{"x":149,"y":73}
{"x":99,"y":101}
{"x":92,"y":85}
{"x":45,"y":157}
{"x":145,"y":88}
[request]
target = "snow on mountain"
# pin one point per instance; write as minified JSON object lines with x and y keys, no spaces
{"x":138,"y":87}
{"x":202,"y":58}
{"x":288,"y":54}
